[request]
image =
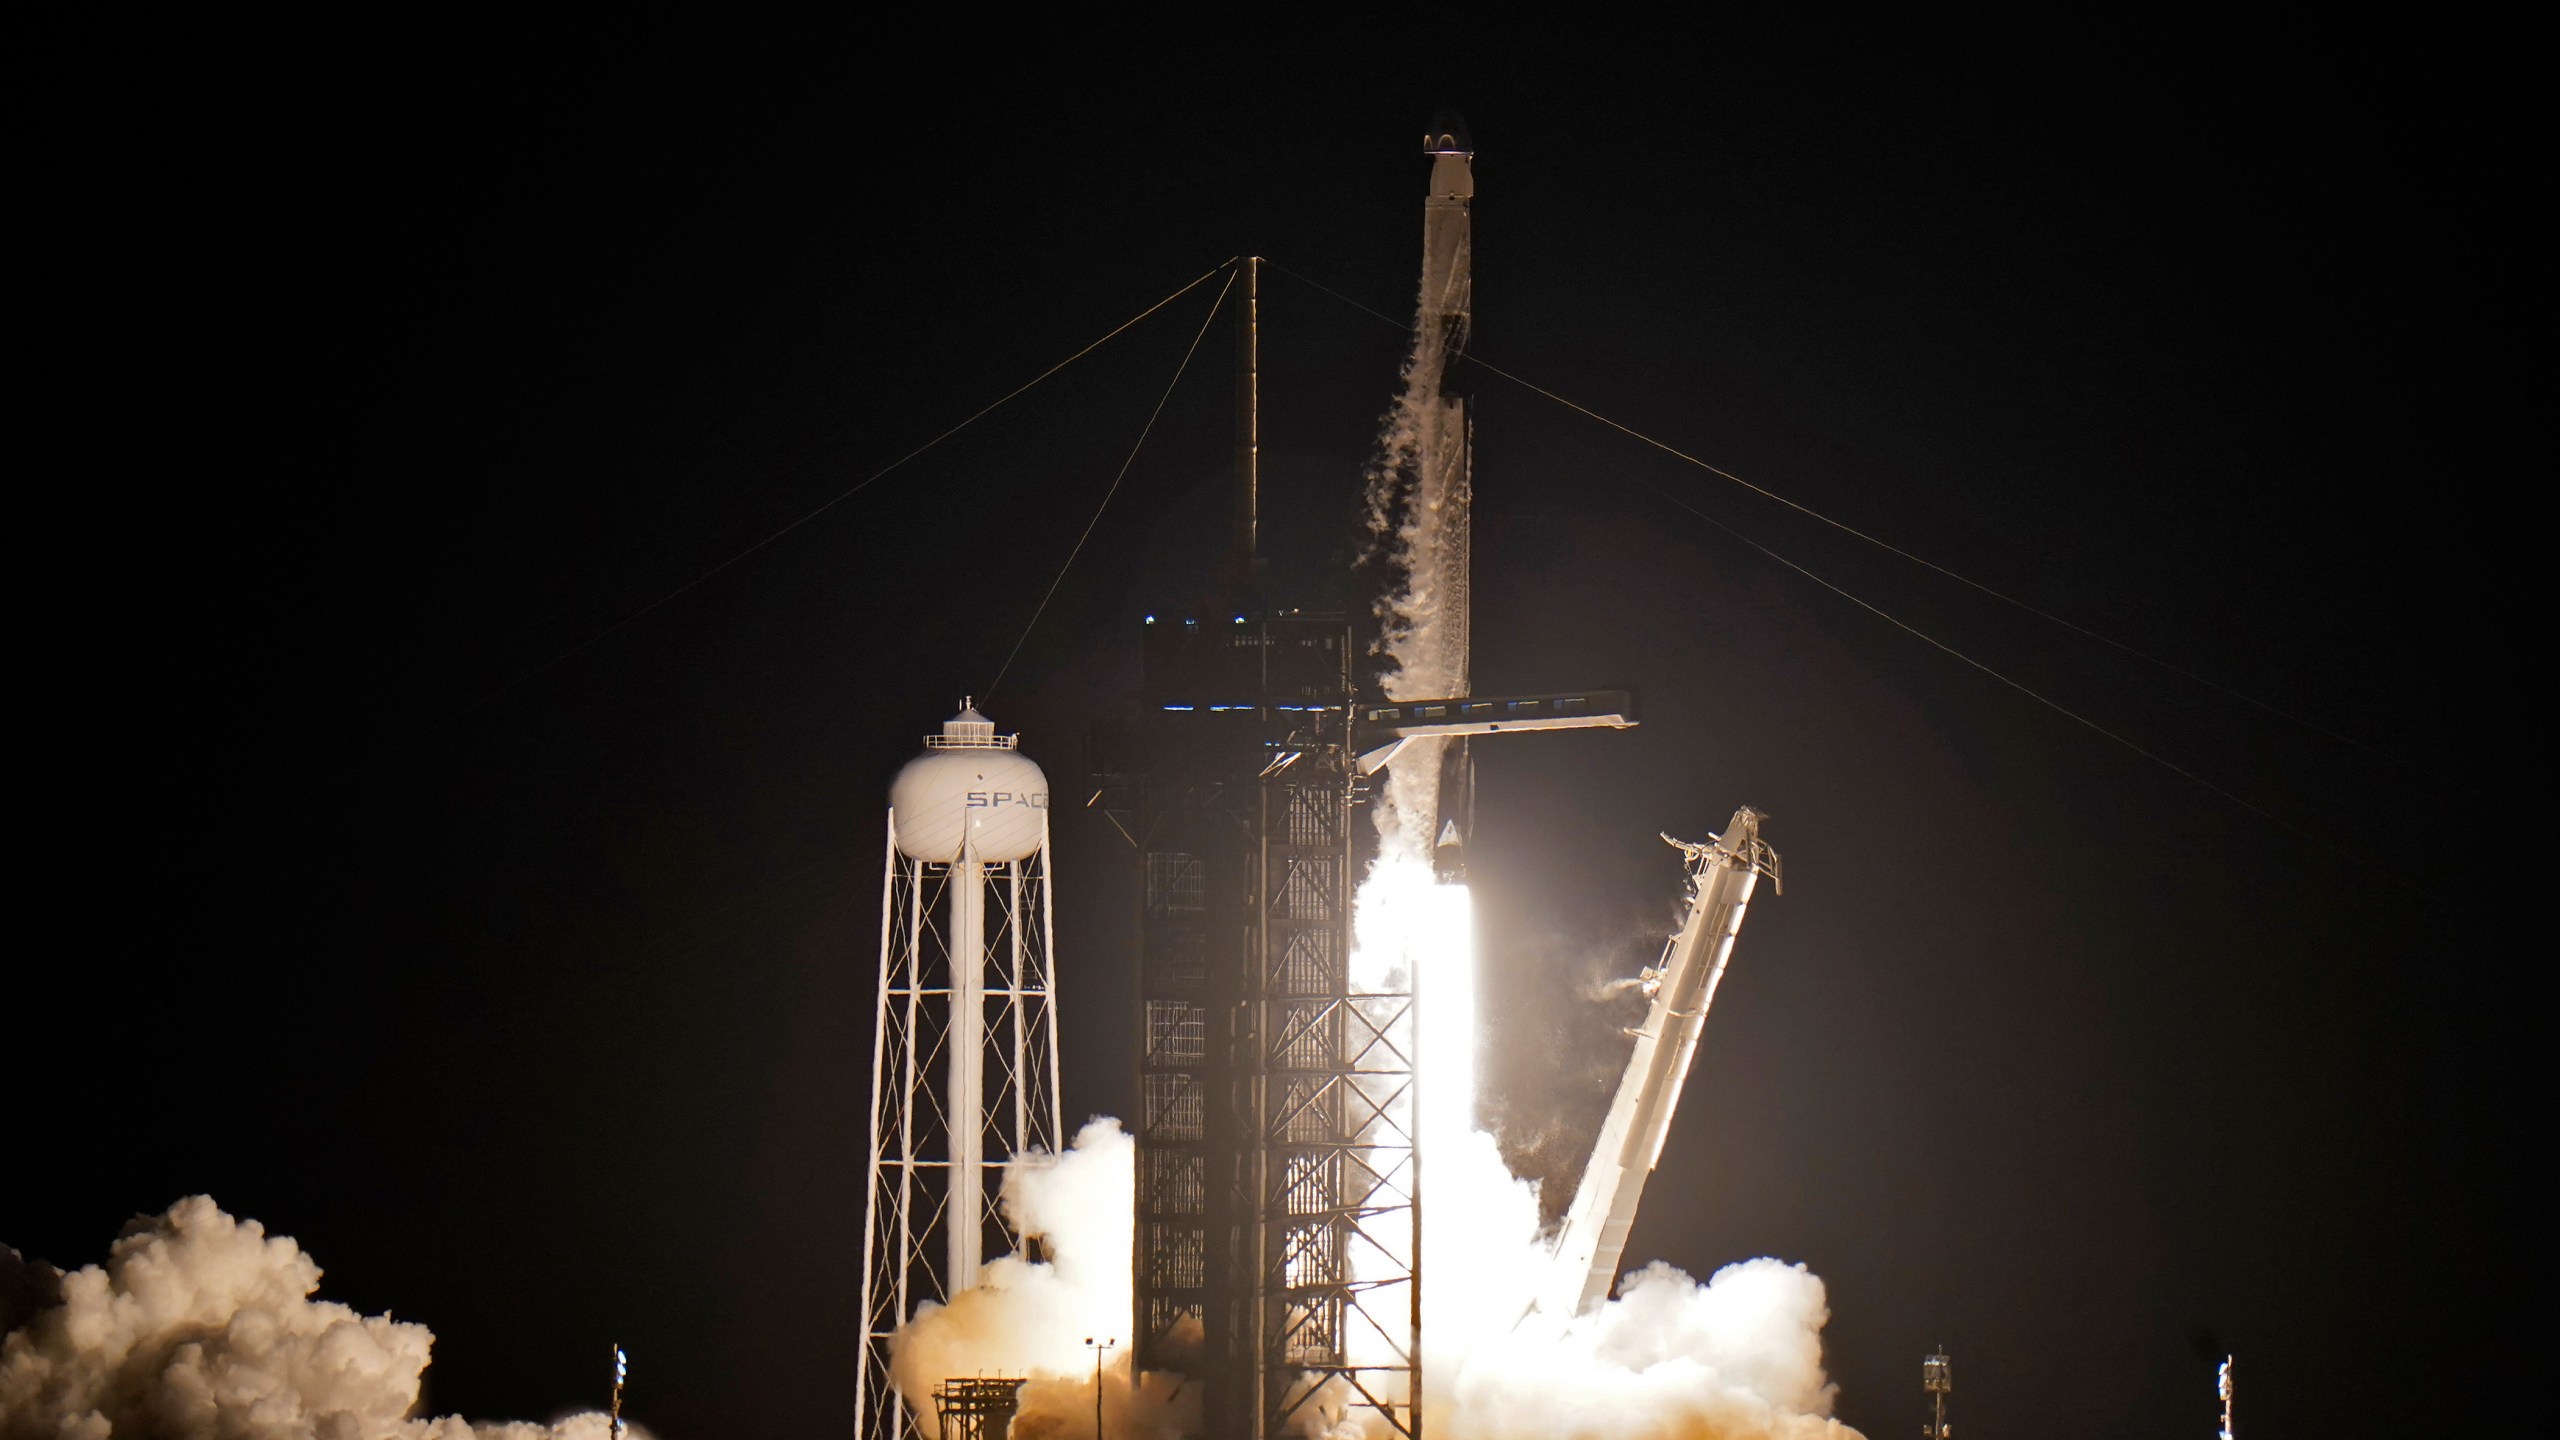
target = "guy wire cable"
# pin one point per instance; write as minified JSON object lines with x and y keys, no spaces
{"x":839,"y":498}
{"x":1205,"y":322}
{"x":2039,"y":697}
{"x":1885,"y":545}
{"x":2390,"y":871}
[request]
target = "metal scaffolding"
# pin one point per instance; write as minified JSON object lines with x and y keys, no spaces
{"x":1277,"y":1229}
{"x":978,"y":1407}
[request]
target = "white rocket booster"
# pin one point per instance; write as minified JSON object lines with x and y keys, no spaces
{"x":1721,"y":876}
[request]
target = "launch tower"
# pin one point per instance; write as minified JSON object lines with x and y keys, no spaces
{"x":964,"y":1053}
{"x":1276,"y":1181}
{"x":1279,"y":1164}
{"x":1275,"y":1186}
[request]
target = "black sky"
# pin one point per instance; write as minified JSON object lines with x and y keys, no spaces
{"x":375,"y":371}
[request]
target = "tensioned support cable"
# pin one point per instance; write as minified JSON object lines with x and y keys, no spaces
{"x":855,"y":489}
{"x":2333,"y":846}
{"x":1882,"y":544}
{"x":1888,"y":617}
{"x":2030,"y":692}
{"x":1143,"y":432}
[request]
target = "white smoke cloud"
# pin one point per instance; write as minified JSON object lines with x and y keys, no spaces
{"x":1032,"y":1317}
{"x":202,"y":1327}
{"x":1737,"y":1358}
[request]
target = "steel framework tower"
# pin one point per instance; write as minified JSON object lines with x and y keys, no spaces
{"x":964,"y":1055}
{"x":1276,"y":1223}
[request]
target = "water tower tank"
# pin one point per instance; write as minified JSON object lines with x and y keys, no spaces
{"x":970,"y":781}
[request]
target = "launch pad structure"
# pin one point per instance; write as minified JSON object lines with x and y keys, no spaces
{"x":1276,"y":1209}
{"x":1278,"y":1204}
{"x":1279,"y":1237}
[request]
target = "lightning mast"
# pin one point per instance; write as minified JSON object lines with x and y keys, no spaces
{"x":964,"y":1057}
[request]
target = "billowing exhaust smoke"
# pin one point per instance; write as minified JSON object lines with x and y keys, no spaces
{"x":1035,"y":1317}
{"x":1736,"y":1358}
{"x":203,"y":1327}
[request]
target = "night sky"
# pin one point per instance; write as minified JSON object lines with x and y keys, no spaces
{"x":524,"y":976}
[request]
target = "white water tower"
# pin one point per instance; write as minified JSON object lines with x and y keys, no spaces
{"x":964,"y":1051}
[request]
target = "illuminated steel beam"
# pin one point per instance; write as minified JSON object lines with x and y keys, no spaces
{"x":1721,"y":877}
{"x":1383,"y":729}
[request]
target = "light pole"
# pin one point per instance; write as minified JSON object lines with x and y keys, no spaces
{"x":1937,"y":1377}
{"x":1099,"y":1348}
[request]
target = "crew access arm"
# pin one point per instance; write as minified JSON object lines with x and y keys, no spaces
{"x":1721,"y":877}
